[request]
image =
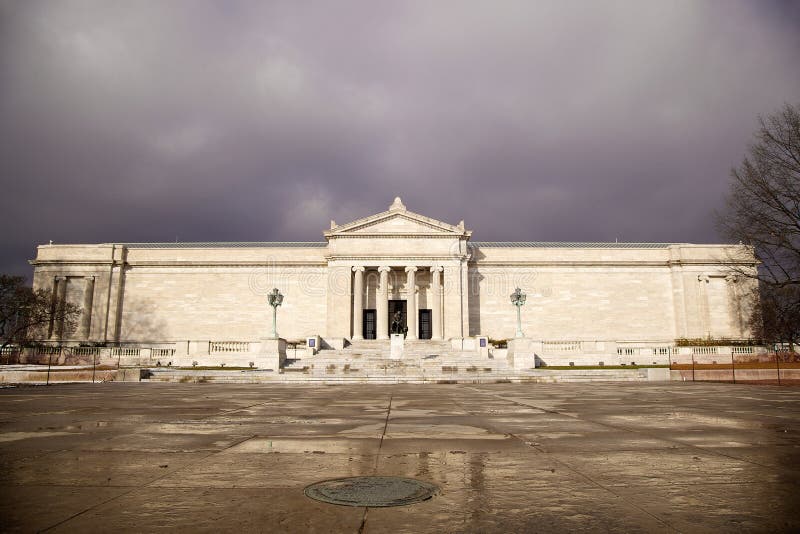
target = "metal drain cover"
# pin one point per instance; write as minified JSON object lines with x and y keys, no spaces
{"x":372,"y":491}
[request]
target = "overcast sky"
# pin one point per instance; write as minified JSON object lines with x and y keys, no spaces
{"x":259,"y":121}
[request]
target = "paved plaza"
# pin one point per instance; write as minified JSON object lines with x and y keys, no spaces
{"x":507,"y":457}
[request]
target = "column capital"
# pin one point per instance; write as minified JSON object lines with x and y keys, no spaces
{"x":384,"y":269}
{"x":702,"y":278}
{"x":411,"y":269}
{"x":89,"y":278}
{"x":437,"y":268}
{"x":358,"y":268}
{"x":60,"y":278}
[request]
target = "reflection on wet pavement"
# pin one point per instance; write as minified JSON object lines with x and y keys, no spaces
{"x":506,"y":457}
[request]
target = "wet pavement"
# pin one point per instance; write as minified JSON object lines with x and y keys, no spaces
{"x":507,"y":457}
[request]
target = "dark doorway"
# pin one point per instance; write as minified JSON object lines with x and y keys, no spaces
{"x":370,"y":328}
{"x":425,"y":328}
{"x":395,"y":306}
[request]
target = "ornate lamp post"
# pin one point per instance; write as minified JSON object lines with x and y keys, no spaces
{"x":275,"y":298}
{"x":518,"y":299}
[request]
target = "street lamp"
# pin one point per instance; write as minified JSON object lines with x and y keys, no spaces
{"x":275,"y":299}
{"x":518,"y":299}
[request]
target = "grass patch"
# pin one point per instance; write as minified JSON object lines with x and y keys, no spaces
{"x":208,"y":368}
{"x":56,"y":369}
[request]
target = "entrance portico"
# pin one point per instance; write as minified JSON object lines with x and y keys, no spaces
{"x":375,"y":287}
{"x":398,"y":255}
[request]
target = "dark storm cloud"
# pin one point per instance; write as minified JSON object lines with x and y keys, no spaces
{"x":156,"y":121}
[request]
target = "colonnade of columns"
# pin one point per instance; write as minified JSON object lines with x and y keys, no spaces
{"x":382,"y":302}
{"x":59,"y":298}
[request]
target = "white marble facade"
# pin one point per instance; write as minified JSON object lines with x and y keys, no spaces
{"x":177,"y":292}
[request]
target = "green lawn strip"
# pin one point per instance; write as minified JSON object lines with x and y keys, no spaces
{"x":209,"y":368}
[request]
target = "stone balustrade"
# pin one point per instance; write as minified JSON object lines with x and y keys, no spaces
{"x":86,"y":351}
{"x":223,"y":347}
{"x":125,"y":351}
{"x":547,"y":353}
{"x":560,"y":347}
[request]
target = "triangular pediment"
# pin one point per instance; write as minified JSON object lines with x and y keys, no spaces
{"x":397,"y":221}
{"x":399,"y":224}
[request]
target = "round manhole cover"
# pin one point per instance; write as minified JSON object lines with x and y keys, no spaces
{"x":371,"y":491}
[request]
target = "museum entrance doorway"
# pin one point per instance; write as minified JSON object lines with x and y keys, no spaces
{"x":397,"y":306}
{"x":425,"y":326}
{"x":370,"y":326}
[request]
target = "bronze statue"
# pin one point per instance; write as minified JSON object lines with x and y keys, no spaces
{"x":397,"y":324}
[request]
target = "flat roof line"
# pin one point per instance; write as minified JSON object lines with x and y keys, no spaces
{"x":323,"y":244}
{"x":566,"y":244}
{"x":230,"y":244}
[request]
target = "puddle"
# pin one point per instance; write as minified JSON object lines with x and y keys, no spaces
{"x":16,"y":436}
{"x":306,"y":446}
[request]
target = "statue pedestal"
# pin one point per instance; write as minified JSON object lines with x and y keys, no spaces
{"x":522,"y":352}
{"x":272,"y":353}
{"x":396,"y":344}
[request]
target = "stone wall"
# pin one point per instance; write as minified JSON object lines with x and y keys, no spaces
{"x":647,"y":294}
{"x":573,"y":303}
{"x":163,"y":293}
{"x":221,"y":303}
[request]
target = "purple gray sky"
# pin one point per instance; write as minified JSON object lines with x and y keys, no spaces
{"x":255,"y":120}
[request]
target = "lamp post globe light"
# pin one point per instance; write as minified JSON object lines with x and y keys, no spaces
{"x":275,"y":298}
{"x":518,"y":300}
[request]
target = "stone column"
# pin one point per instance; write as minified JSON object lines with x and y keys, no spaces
{"x":705,"y":322}
{"x":59,"y":300}
{"x":436,"y":303}
{"x":464,"y":298}
{"x":358,"y":304}
{"x":382,"y":304}
{"x":411,"y":302}
{"x":86,"y":314}
{"x":51,"y":327}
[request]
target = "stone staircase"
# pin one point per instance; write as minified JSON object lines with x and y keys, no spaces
{"x":422,"y":362}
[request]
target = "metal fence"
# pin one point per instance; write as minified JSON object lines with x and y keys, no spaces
{"x":738,"y":366}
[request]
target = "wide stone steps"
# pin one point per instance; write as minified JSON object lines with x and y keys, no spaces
{"x":266,"y":377}
{"x":422,"y":362}
{"x":420,"y":365}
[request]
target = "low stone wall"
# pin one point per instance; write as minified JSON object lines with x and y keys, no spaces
{"x":766,"y":375}
{"x":210,"y":353}
{"x":178,"y":354}
{"x":35,"y":374}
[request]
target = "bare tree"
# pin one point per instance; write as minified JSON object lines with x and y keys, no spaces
{"x":763,"y":212}
{"x":776,"y":318}
{"x":26,"y":314}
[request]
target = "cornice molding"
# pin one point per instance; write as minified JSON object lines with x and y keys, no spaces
{"x":406,"y":235}
{"x":378,"y":260}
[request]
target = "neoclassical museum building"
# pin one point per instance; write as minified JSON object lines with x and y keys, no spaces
{"x":446,"y":287}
